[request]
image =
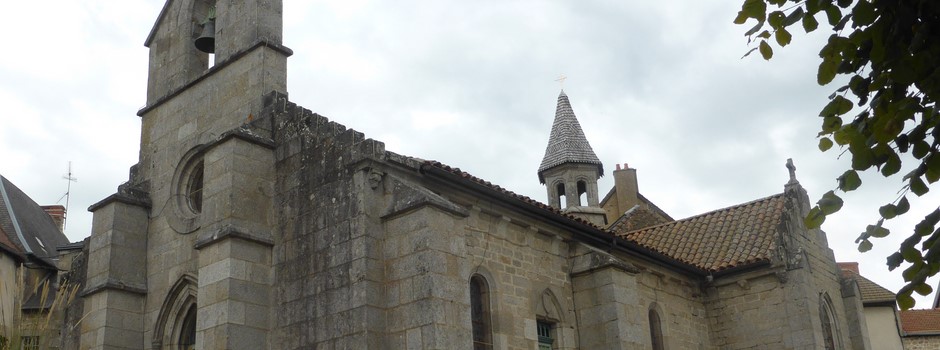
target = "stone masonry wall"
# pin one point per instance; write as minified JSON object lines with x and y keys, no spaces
{"x":326,"y":274}
{"x":927,"y":342}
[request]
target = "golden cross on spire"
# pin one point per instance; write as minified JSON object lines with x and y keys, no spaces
{"x":561,"y":80}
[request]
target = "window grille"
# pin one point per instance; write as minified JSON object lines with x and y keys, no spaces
{"x":544,"y":331}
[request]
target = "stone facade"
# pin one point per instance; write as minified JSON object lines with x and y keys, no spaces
{"x":921,"y":342}
{"x":251,"y":222}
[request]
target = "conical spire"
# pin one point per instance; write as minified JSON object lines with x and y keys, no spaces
{"x":567,"y":143}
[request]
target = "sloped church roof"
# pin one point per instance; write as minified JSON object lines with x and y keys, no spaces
{"x":567,"y":143}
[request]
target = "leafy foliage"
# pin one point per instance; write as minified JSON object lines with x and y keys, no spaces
{"x":889,"y":51}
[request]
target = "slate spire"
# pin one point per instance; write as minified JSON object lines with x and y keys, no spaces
{"x":566,"y":143}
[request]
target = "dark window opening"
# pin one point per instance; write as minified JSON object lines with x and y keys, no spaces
{"x":828,"y":338}
{"x":656,"y":331}
{"x":194,"y":188}
{"x":545,"y":331}
{"x":582,"y":193}
{"x":480,"y":314}
{"x":188,"y":330}
{"x":560,"y":193}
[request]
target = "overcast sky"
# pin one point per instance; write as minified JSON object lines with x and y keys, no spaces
{"x":657,"y":84}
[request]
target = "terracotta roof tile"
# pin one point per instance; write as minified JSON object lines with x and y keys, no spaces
{"x":920,"y":322}
{"x":467,"y":176}
{"x":731,"y":237}
{"x":871,"y":291}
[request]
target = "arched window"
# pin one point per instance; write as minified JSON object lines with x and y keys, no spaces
{"x":562,"y":199}
{"x":175,"y":327}
{"x":656,"y":330}
{"x":480,"y":313}
{"x":830,"y":330}
{"x":187,"y":330}
{"x":582,"y":193}
{"x":194,"y":187}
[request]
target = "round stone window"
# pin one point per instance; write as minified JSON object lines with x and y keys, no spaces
{"x":187,"y":191}
{"x":194,"y":187}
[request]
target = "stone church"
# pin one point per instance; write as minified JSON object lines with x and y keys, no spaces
{"x":250,"y":222}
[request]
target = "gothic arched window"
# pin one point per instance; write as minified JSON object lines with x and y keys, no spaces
{"x":656,"y":330}
{"x":480,"y":313}
{"x":187,"y":331}
{"x":830,"y":329}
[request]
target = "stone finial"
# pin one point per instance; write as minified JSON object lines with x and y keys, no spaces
{"x":792,"y":169}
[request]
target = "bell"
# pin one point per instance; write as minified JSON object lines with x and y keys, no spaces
{"x":206,"y":41}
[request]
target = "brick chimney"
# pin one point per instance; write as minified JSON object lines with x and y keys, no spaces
{"x":851,"y":266}
{"x":57,"y":213}
{"x":627,"y":190}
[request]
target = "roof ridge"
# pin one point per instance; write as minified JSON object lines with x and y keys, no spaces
{"x":708,"y":213}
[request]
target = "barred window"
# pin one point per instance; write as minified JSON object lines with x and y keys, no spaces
{"x":545,"y":331}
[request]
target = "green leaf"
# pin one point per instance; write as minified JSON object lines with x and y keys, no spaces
{"x":830,"y":203}
{"x":863,"y":14}
{"x":888,"y":211}
{"x":905,"y":302}
{"x":825,"y":144}
{"x":903,"y":206}
{"x":833,"y":15}
{"x":783,"y":37}
{"x":755,"y":28}
{"x":837,"y":106}
{"x":814,"y":219}
{"x":765,"y":50}
{"x":775,"y":19}
{"x":741,"y":18}
{"x":911,"y":272}
{"x":755,"y":9}
{"x":793,"y":17}
{"x":918,"y":186}
{"x":809,"y":23}
{"x":827,"y":70}
{"x":862,"y":158}
{"x":921,"y":148}
{"x":864,"y":246}
{"x":877,"y":231}
{"x":923,"y":289}
{"x":849,"y":181}
{"x":911,"y":255}
{"x":894,"y":260}
{"x":933,"y":168}
{"x":892,"y":165}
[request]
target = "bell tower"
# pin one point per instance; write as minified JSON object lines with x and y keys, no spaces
{"x":169,"y":250}
{"x":570,"y":169}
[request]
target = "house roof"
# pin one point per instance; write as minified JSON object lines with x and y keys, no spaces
{"x":27,"y":225}
{"x":736,"y":236}
{"x":920,"y":322}
{"x":567,"y":143}
{"x":871,"y":292}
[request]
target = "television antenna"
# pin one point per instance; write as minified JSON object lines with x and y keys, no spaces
{"x":68,"y":191}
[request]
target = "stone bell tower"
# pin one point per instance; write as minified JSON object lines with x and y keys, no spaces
{"x":169,"y":251}
{"x":570,"y":168}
